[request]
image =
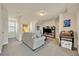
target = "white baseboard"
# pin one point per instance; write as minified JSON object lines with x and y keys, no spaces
{"x":5,"y":43}
{"x":0,"y":49}
{"x":19,"y":39}
{"x":2,"y":46}
{"x":78,"y":50}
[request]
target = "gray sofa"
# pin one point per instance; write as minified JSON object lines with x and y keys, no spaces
{"x":32,"y":41}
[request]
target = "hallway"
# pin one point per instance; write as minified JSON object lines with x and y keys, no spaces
{"x":16,"y":48}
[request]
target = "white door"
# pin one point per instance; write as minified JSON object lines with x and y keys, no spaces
{"x":3,"y":26}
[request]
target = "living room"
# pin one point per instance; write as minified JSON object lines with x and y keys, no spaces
{"x":37,"y":28}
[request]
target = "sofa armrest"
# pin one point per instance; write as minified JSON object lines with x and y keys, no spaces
{"x":37,"y":42}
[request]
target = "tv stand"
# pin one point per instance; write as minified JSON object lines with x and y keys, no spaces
{"x":49,"y":32}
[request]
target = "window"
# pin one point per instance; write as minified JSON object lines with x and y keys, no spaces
{"x":11,"y":26}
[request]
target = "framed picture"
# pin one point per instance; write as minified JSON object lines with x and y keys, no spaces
{"x":25,"y":28}
{"x":67,"y":23}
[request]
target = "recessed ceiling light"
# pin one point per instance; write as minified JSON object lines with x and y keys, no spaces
{"x":41,"y":13}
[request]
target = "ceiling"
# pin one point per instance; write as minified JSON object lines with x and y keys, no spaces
{"x":29,"y":11}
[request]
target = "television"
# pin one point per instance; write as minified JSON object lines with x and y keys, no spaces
{"x":67,"y":23}
{"x":46,"y":30}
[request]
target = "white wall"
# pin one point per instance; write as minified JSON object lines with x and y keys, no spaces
{"x":57,"y":27}
{"x":19,"y":31}
{"x":48,"y":23}
{"x":3,"y":26}
{"x":0,"y":30}
{"x":64,"y":16}
{"x":32,"y":27}
{"x":77,"y":23}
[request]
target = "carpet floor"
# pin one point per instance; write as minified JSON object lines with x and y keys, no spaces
{"x":51,"y":48}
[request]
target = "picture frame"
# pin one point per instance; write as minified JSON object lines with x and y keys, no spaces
{"x":67,"y":23}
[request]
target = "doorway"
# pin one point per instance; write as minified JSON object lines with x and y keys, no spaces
{"x":12,"y":28}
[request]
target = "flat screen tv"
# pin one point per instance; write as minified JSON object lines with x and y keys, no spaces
{"x":67,"y":23}
{"x":47,"y":30}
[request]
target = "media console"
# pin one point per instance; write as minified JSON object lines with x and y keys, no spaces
{"x":49,"y":31}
